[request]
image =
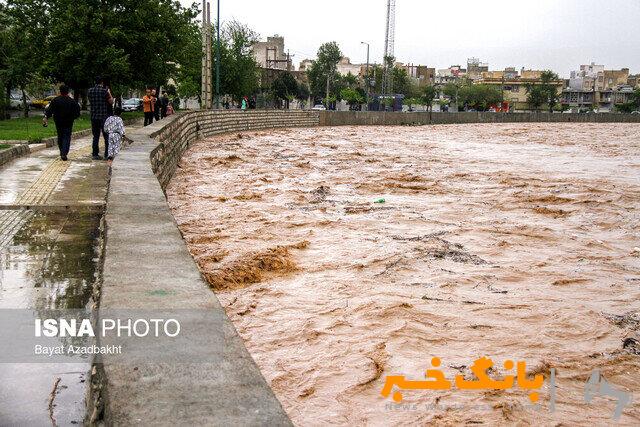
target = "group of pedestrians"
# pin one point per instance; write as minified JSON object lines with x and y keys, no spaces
{"x":155,"y":107}
{"x":106,"y":119}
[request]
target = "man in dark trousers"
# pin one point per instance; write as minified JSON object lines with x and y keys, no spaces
{"x":100,"y":98}
{"x":64,"y":110}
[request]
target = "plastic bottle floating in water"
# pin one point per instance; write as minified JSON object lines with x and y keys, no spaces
{"x":380,"y":201}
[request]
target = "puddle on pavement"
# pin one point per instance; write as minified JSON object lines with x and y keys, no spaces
{"x":52,"y":262}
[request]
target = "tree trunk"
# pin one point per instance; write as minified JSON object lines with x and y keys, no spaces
{"x":327,"y":98}
{"x":25,"y":109}
{"x":4,"y":106}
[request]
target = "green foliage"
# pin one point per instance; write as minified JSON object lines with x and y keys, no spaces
{"x":352,"y":96}
{"x":322,"y":73}
{"x":402,"y":84}
{"x":479,"y":97}
{"x":632,"y":105}
{"x":285,"y":88}
{"x":536,"y":96}
{"x":134,"y":42}
{"x":549,"y":89}
{"x":303,"y":92}
{"x":428,"y":95}
{"x":238,"y":68}
{"x":451,"y":90}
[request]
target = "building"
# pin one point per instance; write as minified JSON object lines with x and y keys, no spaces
{"x":345,"y":67}
{"x":514,"y":85}
{"x":615,"y":78}
{"x":271,"y":54}
{"x":595,"y":88}
{"x":634,"y":81}
{"x":305,"y":65}
{"x":421,"y":74}
{"x":450,"y":75}
{"x":475,"y":68}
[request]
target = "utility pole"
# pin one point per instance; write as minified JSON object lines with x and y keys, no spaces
{"x":389,"y":43}
{"x":367,"y":81}
{"x":218,"y":59}
{"x":203,"y":71}
{"x":209,"y":105}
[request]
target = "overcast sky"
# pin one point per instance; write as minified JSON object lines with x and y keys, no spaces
{"x":556,"y":34}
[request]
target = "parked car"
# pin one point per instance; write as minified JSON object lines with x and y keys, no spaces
{"x":319,"y":107}
{"x":132,"y":104}
{"x":15,"y":101}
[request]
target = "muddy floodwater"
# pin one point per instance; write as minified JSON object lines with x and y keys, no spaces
{"x":344,"y":255}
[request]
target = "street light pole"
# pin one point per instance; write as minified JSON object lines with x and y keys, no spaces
{"x":218,"y":60}
{"x":367,"y":74}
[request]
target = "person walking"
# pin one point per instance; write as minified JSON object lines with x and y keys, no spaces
{"x":148,"y":105}
{"x":115,"y":127}
{"x":164,"y":104}
{"x":100,"y":98}
{"x":65,"y":110}
{"x":157,"y":105}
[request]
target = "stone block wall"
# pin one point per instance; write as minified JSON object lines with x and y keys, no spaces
{"x":176,"y":137}
{"x":11,"y":153}
{"x":380,"y":118}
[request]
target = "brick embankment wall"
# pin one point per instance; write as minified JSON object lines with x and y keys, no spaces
{"x":13,"y":152}
{"x":175,"y":138}
{"x":342,"y":118}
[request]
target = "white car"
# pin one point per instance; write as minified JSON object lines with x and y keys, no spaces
{"x":15,"y":101}
{"x":132,"y":104}
{"x":319,"y":107}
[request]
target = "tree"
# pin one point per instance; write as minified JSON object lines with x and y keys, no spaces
{"x":353,"y":97}
{"x":401,"y":82}
{"x":480,"y":96}
{"x":428,"y":95}
{"x":24,"y":34}
{"x":238,"y":68}
{"x":136,"y":43}
{"x":322,"y":73}
{"x":536,"y":96}
{"x":452,"y":90}
{"x":303,"y":93}
{"x":547,"y":78}
{"x":285,"y":88}
{"x":632,"y":105}
{"x":188,"y":71}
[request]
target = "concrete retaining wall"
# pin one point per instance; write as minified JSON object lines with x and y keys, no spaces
{"x":341,"y":118}
{"x":175,"y":138}
{"x":147,"y":266}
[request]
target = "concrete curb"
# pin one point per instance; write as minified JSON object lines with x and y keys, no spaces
{"x":144,"y":257}
{"x":13,"y":153}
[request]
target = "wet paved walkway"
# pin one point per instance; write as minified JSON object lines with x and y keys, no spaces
{"x":50,"y":247}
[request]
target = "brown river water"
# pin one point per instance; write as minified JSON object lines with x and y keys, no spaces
{"x":511,"y":241}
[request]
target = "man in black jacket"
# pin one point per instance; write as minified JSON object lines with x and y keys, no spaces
{"x":64,"y":110}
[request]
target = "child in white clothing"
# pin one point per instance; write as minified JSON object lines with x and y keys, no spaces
{"x":114,"y":126}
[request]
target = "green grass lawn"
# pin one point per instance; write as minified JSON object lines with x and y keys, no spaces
{"x":31,"y":129}
{"x":5,"y":146}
